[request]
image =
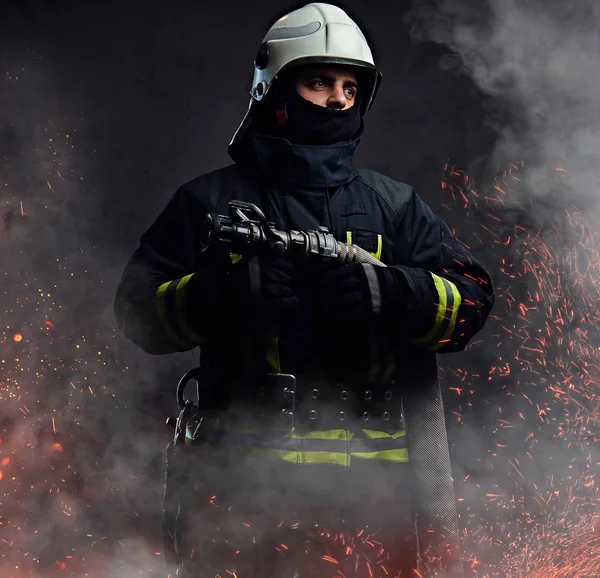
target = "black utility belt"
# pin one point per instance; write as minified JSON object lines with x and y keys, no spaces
{"x":283,"y":402}
{"x":280,"y":402}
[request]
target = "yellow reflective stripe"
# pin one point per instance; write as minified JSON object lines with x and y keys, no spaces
{"x":440,"y":314}
{"x":455,"y":306}
{"x":306,"y":456}
{"x":375,"y":434}
{"x":180,"y":296}
{"x":384,"y":455}
{"x":330,"y":434}
{"x":331,"y":458}
{"x":339,"y":459}
{"x":292,"y":457}
{"x":235,"y":257}
{"x":377,"y":253}
{"x":161,"y":307}
{"x":440,"y":334}
{"x":273,"y":361}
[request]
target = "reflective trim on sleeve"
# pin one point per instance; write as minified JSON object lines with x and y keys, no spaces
{"x":452,"y":324}
{"x":449,"y":301}
{"x":235,"y":257}
{"x":170,"y":305}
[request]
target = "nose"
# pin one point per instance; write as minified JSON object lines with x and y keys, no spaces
{"x":337,"y":97}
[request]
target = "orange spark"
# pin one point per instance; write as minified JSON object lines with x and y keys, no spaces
{"x":329,"y":559}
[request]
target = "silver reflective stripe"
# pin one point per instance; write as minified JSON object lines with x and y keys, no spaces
{"x":292,"y":31}
{"x":374,"y":288}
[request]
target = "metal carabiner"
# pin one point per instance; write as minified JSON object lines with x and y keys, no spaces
{"x":194,"y":374}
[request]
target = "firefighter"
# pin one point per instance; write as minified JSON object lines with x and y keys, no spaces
{"x":353,"y":336}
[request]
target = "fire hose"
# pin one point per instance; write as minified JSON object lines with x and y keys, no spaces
{"x":247,"y":232}
{"x":250,"y":237}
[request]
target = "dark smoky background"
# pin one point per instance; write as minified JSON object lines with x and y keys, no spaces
{"x":537,"y":62}
{"x":106,"y":108}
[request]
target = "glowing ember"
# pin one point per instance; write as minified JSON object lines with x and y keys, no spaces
{"x":543,"y":376}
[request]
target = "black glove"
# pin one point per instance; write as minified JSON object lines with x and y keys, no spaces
{"x":358,"y":294}
{"x":216,"y":296}
{"x":207,"y":302}
{"x":280,"y":289}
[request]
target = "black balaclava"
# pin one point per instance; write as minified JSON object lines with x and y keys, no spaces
{"x":285,"y":114}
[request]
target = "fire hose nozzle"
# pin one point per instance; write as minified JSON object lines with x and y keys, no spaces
{"x":248,"y":231}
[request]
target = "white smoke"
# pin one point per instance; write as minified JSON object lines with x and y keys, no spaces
{"x":544,"y":59}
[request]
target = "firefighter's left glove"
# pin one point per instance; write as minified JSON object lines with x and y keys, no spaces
{"x":208,"y":302}
{"x":358,"y":294}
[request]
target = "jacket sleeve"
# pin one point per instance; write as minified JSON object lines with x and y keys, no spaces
{"x":446,"y":294}
{"x":153,"y":300}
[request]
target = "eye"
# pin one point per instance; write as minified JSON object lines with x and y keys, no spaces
{"x":317,"y":83}
{"x":350,"y":92}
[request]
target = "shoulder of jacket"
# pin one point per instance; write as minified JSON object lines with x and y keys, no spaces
{"x":213,"y":188}
{"x":222,"y":176}
{"x":395,"y":193}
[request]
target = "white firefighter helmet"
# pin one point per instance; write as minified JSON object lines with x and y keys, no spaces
{"x":316,"y":33}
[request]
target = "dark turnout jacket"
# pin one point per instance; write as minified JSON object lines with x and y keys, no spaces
{"x":447,"y":294}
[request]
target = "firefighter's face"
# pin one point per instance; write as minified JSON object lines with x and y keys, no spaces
{"x":330,"y":86}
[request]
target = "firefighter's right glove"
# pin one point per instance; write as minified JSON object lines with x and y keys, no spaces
{"x":212,"y":298}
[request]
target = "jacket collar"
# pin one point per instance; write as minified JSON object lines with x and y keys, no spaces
{"x":306,"y":166}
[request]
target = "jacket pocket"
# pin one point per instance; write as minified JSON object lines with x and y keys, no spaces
{"x":368,"y":240}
